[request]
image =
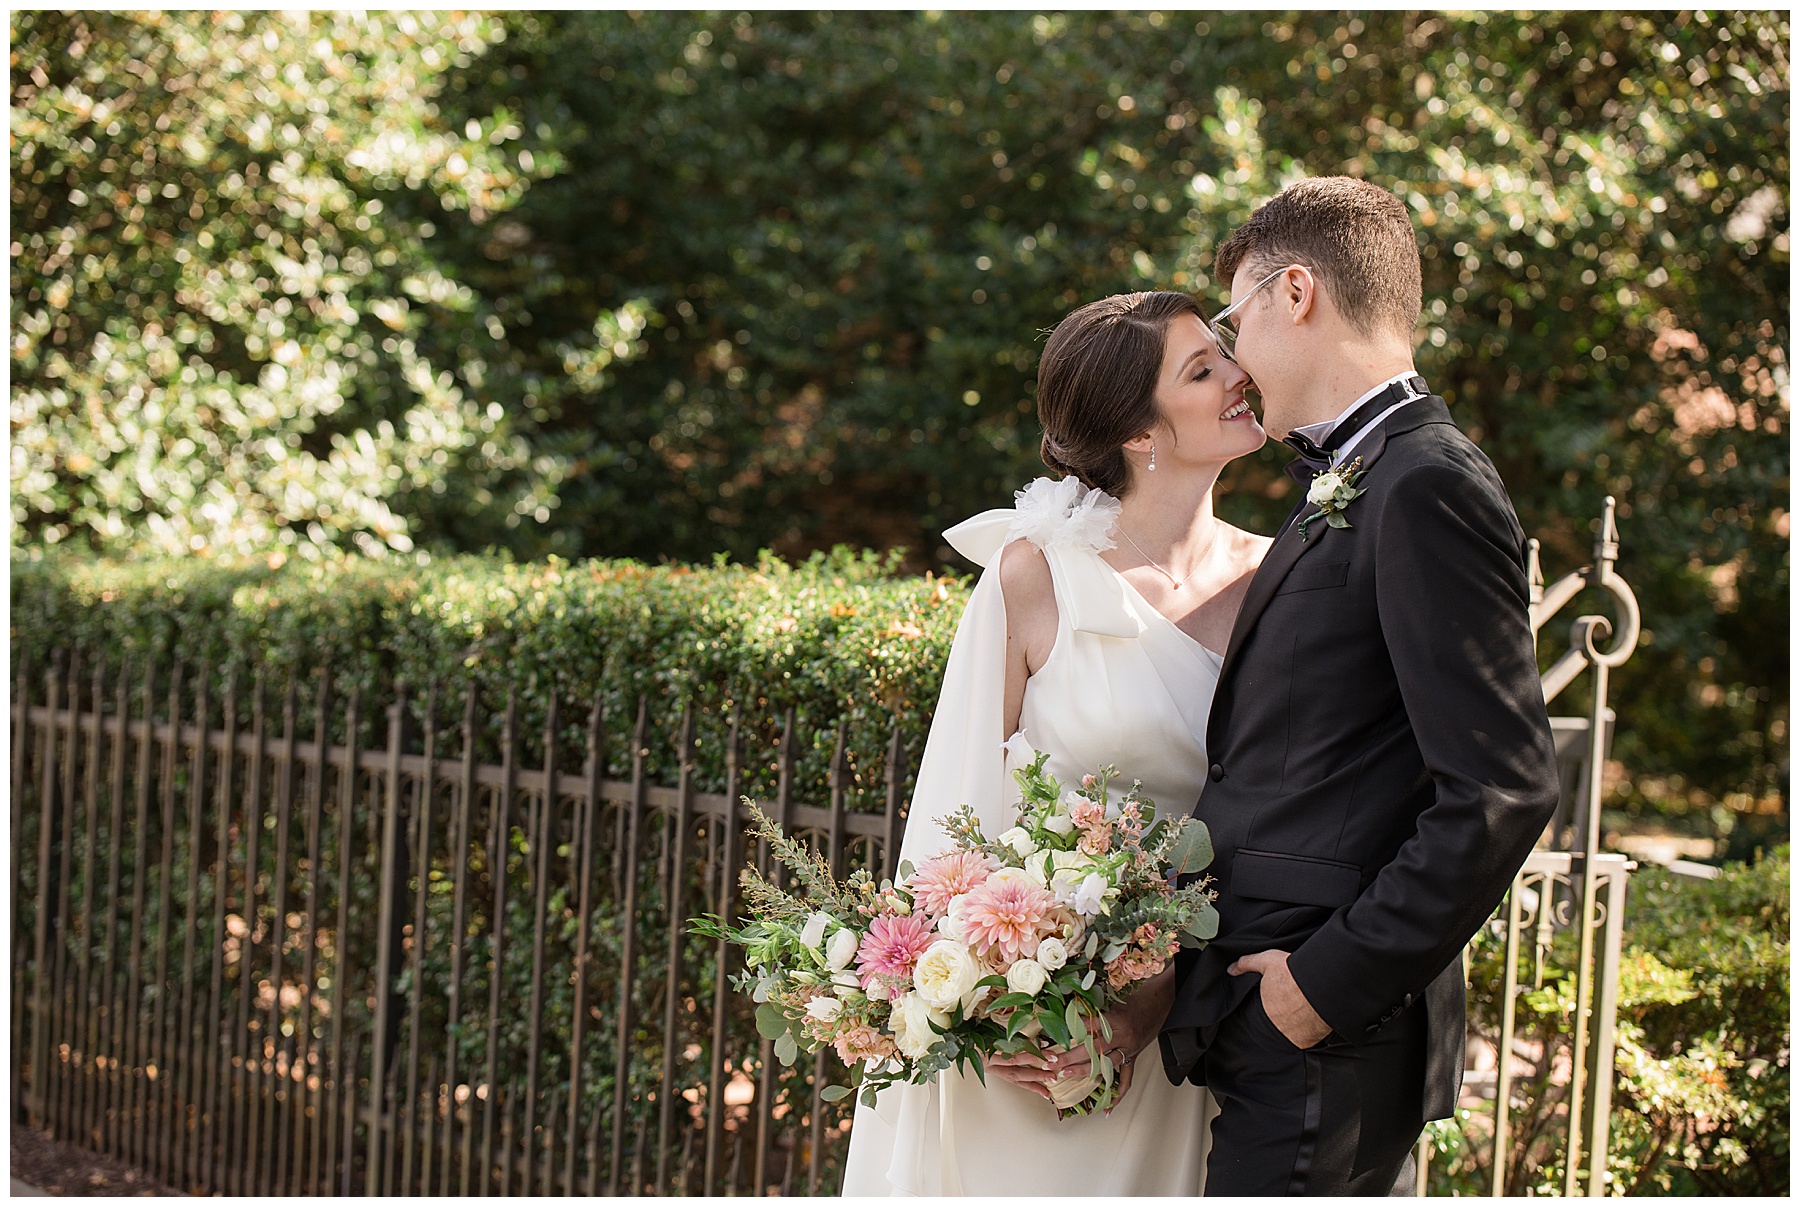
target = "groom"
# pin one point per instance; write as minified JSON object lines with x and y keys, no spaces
{"x":1381,"y":762}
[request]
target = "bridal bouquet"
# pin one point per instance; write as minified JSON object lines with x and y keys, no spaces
{"x":1000,"y":945}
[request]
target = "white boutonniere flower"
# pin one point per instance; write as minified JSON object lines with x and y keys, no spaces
{"x":1331,"y":492}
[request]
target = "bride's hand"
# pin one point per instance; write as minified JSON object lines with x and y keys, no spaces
{"x":1135,"y":1023}
{"x":1028,"y":1070}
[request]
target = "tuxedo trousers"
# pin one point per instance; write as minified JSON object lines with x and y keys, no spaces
{"x":1333,"y":1119}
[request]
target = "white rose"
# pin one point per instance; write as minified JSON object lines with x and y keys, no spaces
{"x":813,"y":933}
{"x":825,"y":1009}
{"x":1323,"y":487}
{"x":1019,"y":841}
{"x":846,"y":980}
{"x":910,"y":1023}
{"x":1052,"y":954}
{"x":945,"y":973}
{"x":1038,"y":867}
{"x":1060,"y":823}
{"x":841,"y":950}
{"x":1026,"y":976}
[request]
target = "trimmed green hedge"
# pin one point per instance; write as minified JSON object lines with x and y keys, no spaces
{"x":838,"y":636}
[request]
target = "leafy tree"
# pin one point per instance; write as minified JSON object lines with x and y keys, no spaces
{"x":231,"y":334}
{"x":779,"y":280}
{"x":852,"y":229}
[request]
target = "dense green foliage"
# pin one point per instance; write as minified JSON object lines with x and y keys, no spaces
{"x":1703,"y":1090}
{"x":230,"y":333}
{"x":667,"y":285}
{"x":836,"y":637}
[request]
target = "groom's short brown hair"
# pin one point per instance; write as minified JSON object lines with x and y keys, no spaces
{"x":1356,"y":237}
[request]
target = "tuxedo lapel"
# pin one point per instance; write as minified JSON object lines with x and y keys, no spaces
{"x":1288,"y":546}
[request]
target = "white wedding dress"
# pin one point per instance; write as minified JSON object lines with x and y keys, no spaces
{"x":1122,"y":685}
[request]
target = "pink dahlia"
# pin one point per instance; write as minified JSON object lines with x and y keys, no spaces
{"x":891,"y":947}
{"x":1009,"y":913}
{"x":937,"y":881}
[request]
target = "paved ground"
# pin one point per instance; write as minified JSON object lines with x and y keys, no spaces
{"x":44,"y":1165}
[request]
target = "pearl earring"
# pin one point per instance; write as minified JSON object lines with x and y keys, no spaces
{"x":1153,"y":456}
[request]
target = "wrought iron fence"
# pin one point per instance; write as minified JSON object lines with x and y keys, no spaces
{"x":253,"y":958}
{"x":1569,"y":888}
{"x":256,"y":958}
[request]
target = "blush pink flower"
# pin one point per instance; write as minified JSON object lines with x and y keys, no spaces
{"x":891,"y":947}
{"x":937,"y":881}
{"x":1087,"y":814}
{"x":863,"y":1042}
{"x":1008,"y":914}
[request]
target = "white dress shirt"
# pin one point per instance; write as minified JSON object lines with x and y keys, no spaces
{"x":1318,"y":432}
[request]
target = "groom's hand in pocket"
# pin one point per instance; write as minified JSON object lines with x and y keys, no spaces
{"x":1282,"y":1000}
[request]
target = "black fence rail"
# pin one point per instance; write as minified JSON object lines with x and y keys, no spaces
{"x":316,"y":949}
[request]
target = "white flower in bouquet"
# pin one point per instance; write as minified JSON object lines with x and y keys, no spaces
{"x":1019,"y":841}
{"x":950,"y":925}
{"x":841,"y":952}
{"x":846,"y":980}
{"x":1017,"y":752}
{"x":1089,"y":899}
{"x":813,"y":933}
{"x":911,"y":1021}
{"x":1051,"y":955}
{"x":945,"y":973}
{"x":825,"y":1009}
{"x":1041,"y":867}
{"x":1060,"y":823}
{"x":1026,"y":976}
{"x":1323,"y":487}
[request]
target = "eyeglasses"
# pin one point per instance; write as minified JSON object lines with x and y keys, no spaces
{"x":1226,"y":337}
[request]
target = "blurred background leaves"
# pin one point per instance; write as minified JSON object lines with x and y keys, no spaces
{"x":665,"y":285}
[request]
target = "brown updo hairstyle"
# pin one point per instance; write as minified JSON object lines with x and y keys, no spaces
{"x":1097,"y":383}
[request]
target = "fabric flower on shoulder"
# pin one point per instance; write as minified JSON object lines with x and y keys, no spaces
{"x":1065,"y":513}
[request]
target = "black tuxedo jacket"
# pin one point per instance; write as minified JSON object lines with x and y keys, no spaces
{"x":1381,"y":758}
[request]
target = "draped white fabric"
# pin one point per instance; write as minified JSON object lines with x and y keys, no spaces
{"x":1122,"y":685}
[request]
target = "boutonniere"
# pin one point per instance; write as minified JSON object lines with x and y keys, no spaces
{"x":1331,"y":492}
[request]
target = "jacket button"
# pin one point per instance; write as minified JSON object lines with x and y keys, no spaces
{"x":1215,"y":773}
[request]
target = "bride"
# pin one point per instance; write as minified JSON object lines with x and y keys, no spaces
{"x":1095,"y":636}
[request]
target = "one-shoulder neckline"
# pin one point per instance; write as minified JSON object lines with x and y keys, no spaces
{"x":1160,"y":615}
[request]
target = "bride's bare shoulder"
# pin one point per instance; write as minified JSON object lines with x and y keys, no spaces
{"x":1025,"y":576}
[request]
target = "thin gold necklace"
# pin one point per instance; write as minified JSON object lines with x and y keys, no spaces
{"x":1174,"y":582}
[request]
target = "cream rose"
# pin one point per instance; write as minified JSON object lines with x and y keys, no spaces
{"x":1323,"y":487}
{"x":1060,"y":823}
{"x":841,"y":951}
{"x":1051,"y":954}
{"x":825,"y":1009}
{"x":945,"y":973}
{"x":910,"y":1023}
{"x":1026,"y":976}
{"x":1018,"y":840}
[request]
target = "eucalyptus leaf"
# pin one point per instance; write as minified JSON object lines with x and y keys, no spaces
{"x":786,"y":1050}
{"x":771,"y":1022}
{"x":835,"y":1093}
{"x":1192,"y":849}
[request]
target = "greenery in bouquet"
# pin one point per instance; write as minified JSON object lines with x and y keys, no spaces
{"x":997,"y":946}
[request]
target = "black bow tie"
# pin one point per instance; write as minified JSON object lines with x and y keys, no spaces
{"x":1314,"y":458}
